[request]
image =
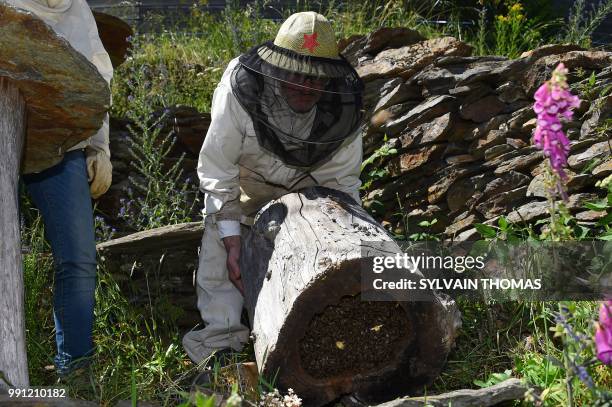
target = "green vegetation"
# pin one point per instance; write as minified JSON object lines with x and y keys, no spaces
{"x":139,"y":353}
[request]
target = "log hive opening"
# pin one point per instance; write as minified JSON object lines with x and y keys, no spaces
{"x":354,"y":337}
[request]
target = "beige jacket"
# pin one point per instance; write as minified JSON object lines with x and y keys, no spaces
{"x":238,"y":177}
{"x":73,"y":20}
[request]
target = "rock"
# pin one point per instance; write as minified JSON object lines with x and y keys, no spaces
{"x":507,"y":181}
{"x":483,"y":71}
{"x":358,"y":48}
{"x":371,"y":142}
{"x":540,"y":71}
{"x":520,"y":117}
{"x":510,"y":92}
{"x":463,"y":190}
{"x":577,"y":146}
{"x":519,"y":163}
{"x":464,"y":90}
{"x":470,"y":234}
{"x":484,"y":128}
{"x":376,"y":89}
{"x":590,"y":215}
{"x":434,"y":131}
{"x":528,"y":212}
{"x":446,"y":178}
{"x":433,"y":107}
{"x":493,"y":138}
{"x":495,"y":151}
{"x":66,"y":97}
{"x":461,"y":225}
{"x":427,"y":213}
{"x":577,"y":201}
{"x":576,"y":182}
{"x":434,"y":80}
{"x":603,"y":170}
{"x":482,"y":110}
{"x":343,"y":43}
{"x":414,"y":159}
{"x":407,"y":60}
{"x":455,"y":148}
{"x":400,"y":93}
{"x":164,"y":237}
{"x":502,"y":203}
{"x":387,"y":37}
{"x":599,"y":150}
{"x":529,"y":125}
{"x":516,"y":105}
{"x":498,"y":394}
{"x":600,"y":111}
{"x":459,"y":159}
{"x":458,"y":64}
{"x":550,"y":49}
{"x":515,"y":143}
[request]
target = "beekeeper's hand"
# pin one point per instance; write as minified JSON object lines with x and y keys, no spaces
{"x":99,"y":172}
{"x":232,"y":246}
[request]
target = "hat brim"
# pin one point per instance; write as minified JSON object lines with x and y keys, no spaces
{"x":303,"y":64}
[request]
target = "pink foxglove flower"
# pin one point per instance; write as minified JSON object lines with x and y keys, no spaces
{"x":554,"y":102}
{"x":603,"y":334}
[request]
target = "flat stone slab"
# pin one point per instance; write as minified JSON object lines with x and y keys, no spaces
{"x":510,"y":389}
{"x":66,"y":97}
{"x":181,"y":234}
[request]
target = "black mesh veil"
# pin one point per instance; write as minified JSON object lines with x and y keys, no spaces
{"x":303,"y":111}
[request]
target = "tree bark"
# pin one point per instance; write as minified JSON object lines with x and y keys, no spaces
{"x":301,"y":268}
{"x":13,"y":360}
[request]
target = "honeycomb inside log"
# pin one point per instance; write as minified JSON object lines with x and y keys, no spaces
{"x":353,"y":337}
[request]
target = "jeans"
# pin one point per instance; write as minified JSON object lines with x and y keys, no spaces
{"x":61,"y":194}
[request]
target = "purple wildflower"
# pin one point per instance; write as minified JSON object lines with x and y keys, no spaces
{"x":603,"y":335}
{"x":553,"y":102}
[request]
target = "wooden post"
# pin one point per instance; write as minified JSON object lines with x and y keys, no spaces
{"x":13,"y":359}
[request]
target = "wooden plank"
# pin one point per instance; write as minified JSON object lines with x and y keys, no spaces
{"x":13,"y":360}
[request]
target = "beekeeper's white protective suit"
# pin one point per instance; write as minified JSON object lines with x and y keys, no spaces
{"x":74,"y":21}
{"x":238,"y":177}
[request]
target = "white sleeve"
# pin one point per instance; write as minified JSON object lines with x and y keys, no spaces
{"x":342,"y":171}
{"x":101,"y":60}
{"x":228,"y":228}
{"x":218,"y":162}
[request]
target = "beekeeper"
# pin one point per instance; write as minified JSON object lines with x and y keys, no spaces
{"x":63,"y":194}
{"x":285,"y":116}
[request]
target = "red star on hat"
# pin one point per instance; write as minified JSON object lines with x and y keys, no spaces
{"x":310,"y":42}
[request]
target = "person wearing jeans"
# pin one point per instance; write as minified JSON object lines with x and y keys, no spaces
{"x":63,"y":194}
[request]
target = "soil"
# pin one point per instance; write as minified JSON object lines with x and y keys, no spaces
{"x":353,"y":337}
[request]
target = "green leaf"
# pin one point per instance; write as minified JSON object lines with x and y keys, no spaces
{"x":606,"y":220}
{"x":597,"y":206}
{"x":485,"y":230}
{"x":502,"y":223}
{"x":606,"y":236}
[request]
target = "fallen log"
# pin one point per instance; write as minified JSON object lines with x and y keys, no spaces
{"x":301,"y":272}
